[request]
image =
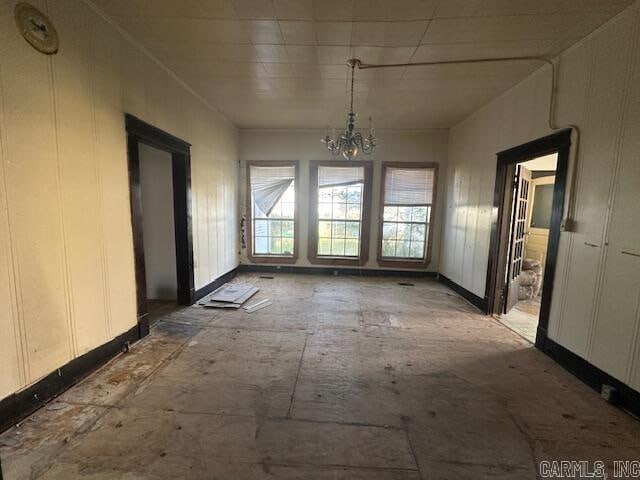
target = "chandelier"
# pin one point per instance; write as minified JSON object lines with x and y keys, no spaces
{"x":349,"y":142}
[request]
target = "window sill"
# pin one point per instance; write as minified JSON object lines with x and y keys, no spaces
{"x":273,"y":259}
{"x":345,"y":261}
{"x":421,"y":263}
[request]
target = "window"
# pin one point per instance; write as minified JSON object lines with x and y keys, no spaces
{"x":271,"y":188}
{"x":339,"y":210}
{"x":406,"y":213}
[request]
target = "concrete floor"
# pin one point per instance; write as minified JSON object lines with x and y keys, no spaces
{"x":342,"y":378}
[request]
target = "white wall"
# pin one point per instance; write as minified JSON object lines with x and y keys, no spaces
{"x":305,"y":145}
{"x":67,"y":279}
{"x":158,"y":227}
{"x":595,"y":307}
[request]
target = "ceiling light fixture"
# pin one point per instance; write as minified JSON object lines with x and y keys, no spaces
{"x":349,"y":142}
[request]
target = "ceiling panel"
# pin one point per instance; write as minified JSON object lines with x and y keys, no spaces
{"x":282,"y":63}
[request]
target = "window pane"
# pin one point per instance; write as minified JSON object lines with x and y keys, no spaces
{"x":324,"y":229}
{"x":261,"y":228}
{"x":388,"y":248}
{"x":339,"y":211}
{"x":353,"y":211}
{"x":275,"y":246}
{"x":390,"y":214}
{"x":287,"y":229}
{"x":353,"y":230}
{"x":287,"y":246}
{"x":417,"y":232}
{"x":325,"y":195}
{"x":339,"y":194}
{"x":354,"y":194}
{"x":419,"y":214}
{"x":288,"y":210}
{"x":402,"y":249}
{"x":324,"y":246}
{"x":337,"y":247}
{"x":261,"y":245}
{"x":324,"y":210}
{"x":276,"y":212}
{"x":351,"y":247}
{"x":341,"y":235}
{"x":338,"y":230}
{"x":404,"y":231}
{"x":417,"y":250}
{"x":389,"y":231}
{"x":404,"y":214}
{"x":269,"y":230}
{"x":275,"y":228}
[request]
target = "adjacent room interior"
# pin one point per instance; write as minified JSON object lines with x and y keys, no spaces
{"x":530,"y":222}
{"x":350,"y":239}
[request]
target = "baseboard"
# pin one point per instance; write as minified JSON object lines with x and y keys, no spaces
{"x":626,"y":397}
{"x":472,"y":298}
{"x":364,"y":272}
{"x":22,"y":404}
{"x":217,"y":283}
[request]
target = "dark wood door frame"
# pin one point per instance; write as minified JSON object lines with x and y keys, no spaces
{"x":560,"y":143}
{"x":141,"y":132}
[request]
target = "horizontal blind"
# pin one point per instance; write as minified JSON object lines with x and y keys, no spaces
{"x":408,"y":186}
{"x":339,"y":176}
{"x":268,"y":184}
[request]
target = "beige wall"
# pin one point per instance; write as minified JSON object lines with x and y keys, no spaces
{"x":66,"y":255}
{"x":595,"y":303}
{"x":305,"y":145}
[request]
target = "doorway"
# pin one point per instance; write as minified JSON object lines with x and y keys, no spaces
{"x":528,"y":201}
{"x":160,"y":167}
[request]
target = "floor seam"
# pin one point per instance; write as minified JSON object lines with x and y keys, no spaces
{"x":295,"y":384}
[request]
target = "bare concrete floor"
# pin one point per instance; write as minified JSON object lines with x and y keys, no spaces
{"x":342,"y":378}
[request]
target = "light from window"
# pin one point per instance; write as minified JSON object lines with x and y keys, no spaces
{"x":404,"y":231}
{"x":340,"y":211}
{"x":407,"y":210}
{"x":273,"y":210}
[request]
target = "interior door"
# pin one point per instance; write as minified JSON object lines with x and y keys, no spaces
{"x":518,"y":234}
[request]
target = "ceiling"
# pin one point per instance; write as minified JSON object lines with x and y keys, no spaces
{"x":281,"y":63}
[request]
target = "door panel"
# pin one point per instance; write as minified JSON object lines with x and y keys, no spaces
{"x":518,"y":234}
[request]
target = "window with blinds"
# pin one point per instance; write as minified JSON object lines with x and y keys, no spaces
{"x":340,"y":191}
{"x":272,"y":210}
{"x":406,"y":215}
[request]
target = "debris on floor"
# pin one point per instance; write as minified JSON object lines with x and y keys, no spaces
{"x":257,"y":306}
{"x":229,"y":295}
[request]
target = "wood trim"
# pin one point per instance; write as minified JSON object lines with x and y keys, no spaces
{"x":273,"y":259}
{"x":626,"y":397}
{"x":361,"y":272}
{"x":155,"y":137}
{"x":560,"y":143}
{"x":18,"y":406}
{"x":407,"y":263}
{"x":141,"y":132}
{"x":218,"y":282}
{"x":313,"y":213}
{"x":472,"y":298}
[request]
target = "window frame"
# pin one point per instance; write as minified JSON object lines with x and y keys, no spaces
{"x":365,"y":217}
{"x":407,"y":262}
{"x":272,"y":258}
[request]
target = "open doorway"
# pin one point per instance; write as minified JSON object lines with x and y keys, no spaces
{"x":528,"y":201}
{"x":533,"y":185}
{"x":160,"y":190}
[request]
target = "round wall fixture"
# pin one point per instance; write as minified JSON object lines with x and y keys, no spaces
{"x":36,"y":28}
